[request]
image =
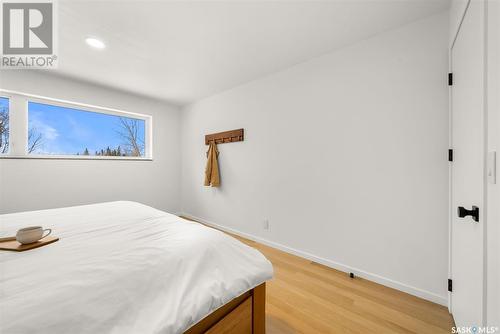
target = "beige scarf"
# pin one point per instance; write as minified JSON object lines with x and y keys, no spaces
{"x":212,"y":177}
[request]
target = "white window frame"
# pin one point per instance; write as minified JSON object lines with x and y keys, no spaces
{"x":18,"y":126}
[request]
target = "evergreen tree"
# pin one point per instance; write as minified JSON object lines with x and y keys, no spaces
{"x":86,"y":152}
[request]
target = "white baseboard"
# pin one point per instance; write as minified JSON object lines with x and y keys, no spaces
{"x":430,"y":296}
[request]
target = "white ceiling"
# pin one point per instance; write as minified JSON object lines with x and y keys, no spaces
{"x":181,"y":51}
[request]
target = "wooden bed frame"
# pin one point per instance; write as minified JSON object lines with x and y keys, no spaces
{"x":245,"y":314}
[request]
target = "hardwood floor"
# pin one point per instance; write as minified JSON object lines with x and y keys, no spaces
{"x":306,"y":297}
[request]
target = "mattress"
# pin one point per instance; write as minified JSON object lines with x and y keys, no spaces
{"x":121,"y":267}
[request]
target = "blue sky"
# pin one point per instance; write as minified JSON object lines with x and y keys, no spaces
{"x":67,"y":131}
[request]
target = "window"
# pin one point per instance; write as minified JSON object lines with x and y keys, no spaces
{"x":4,"y":125}
{"x":45,"y":128}
{"x":56,"y":130}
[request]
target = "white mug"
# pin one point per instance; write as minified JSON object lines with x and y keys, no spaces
{"x":31,"y":234}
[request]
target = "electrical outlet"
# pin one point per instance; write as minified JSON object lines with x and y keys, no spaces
{"x":265,"y":224}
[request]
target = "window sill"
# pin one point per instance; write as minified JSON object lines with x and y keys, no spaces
{"x":70,"y":157}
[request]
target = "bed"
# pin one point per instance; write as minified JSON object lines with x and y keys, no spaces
{"x":123,"y":267}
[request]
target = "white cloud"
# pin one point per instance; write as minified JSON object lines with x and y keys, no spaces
{"x":48,"y":132}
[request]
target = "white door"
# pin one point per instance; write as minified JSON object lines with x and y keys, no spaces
{"x":467,"y":188}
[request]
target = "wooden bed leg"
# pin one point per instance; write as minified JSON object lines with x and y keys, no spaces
{"x":259,"y":309}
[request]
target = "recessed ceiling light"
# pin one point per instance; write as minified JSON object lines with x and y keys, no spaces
{"x":95,"y":43}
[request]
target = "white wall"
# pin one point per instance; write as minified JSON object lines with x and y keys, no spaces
{"x":344,"y":154}
{"x":39,"y":184}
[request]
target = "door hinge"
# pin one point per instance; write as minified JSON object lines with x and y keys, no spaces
{"x":450,"y":285}
{"x":450,"y":154}
{"x":450,"y":79}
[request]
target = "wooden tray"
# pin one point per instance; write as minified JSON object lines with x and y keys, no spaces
{"x":10,"y":244}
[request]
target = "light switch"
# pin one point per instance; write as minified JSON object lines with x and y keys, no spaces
{"x":492,"y":167}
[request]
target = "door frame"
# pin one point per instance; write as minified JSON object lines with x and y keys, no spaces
{"x":452,"y":210}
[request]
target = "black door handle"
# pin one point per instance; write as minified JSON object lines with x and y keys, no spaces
{"x":474,"y":212}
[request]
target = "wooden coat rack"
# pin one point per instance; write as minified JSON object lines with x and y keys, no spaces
{"x":225,"y":137}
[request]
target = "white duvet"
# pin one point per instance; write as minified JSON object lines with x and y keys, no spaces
{"x":121,"y":267}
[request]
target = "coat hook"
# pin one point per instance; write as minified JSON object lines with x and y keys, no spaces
{"x":225,"y":137}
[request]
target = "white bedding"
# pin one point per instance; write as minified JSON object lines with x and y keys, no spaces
{"x":121,"y":267}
